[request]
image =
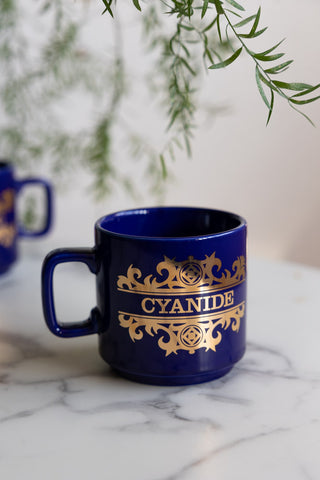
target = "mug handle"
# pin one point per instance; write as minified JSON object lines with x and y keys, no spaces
{"x":19,"y":184}
{"x":63,"y":255}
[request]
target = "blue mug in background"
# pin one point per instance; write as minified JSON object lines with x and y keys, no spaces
{"x":171,"y":293}
{"x":10,"y":228}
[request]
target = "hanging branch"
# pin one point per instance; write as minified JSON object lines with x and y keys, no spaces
{"x":187,"y":38}
{"x":265,"y":77}
{"x":241,"y":31}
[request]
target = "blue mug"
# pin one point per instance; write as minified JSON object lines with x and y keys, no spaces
{"x":10,"y":229}
{"x":171,"y":293}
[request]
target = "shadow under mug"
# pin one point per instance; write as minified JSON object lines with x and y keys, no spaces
{"x":171,"y":293}
{"x":10,"y":228}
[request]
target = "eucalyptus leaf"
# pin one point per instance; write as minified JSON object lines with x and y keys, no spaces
{"x":219,"y":28}
{"x":187,"y":65}
{"x":253,"y":35}
{"x":235,"y":5}
{"x":292,"y":86}
{"x":279,"y":68}
{"x":271,"y":107}
{"x":204,"y":8}
{"x":232,"y":12}
{"x":136,"y":4}
{"x":189,"y":8}
{"x":304,"y":102}
{"x":267,"y":58}
{"x":107,"y":4}
{"x":209,"y":27}
{"x":208,"y":54}
{"x":218,"y":5}
{"x":269,"y":50}
{"x":163,"y":166}
{"x":307,"y":91}
{"x":270,"y":84}
{"x":260,"y":88}
{"x":227,"y":62}
{"x":186,"y":27}
{"x":244,"y":22}
{"x":255,"y":23}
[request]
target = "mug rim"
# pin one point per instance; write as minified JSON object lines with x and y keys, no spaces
{"x":146,"y":210}
{"x":5,"y":166}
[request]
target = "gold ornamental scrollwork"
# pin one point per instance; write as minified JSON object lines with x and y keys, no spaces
{"x":7,"y":229}
{"x":7,"y":234}
{"x":184,"y":333}
{"x":184,"y":277}
{"x":6,"y":201}
{"x":186,"y":305}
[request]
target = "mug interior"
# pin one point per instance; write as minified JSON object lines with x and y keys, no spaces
{"x":169,"y":222}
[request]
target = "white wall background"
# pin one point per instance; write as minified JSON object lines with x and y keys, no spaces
{"x":269,"y":175}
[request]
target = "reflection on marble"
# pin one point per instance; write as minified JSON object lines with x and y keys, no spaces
{"x":65,"y":414}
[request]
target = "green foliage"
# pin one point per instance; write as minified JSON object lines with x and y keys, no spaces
{"x":185,"y":39}
{"x":205,"y":28}
{"x":218,"y":13}
{"x":37,"y":82}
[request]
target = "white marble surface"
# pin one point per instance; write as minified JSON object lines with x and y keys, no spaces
{"x":64,"y":415}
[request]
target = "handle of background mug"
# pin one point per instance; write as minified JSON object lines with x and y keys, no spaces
{"x":63,"y":255}
{"x":22,"y":231}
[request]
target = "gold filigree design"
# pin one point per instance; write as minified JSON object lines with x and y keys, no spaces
{"x":7,"y":230}
{"x":184,"y":333}
{"x":7,"y":234}
{"x":186,"y":276}
{"x":6,"y":201}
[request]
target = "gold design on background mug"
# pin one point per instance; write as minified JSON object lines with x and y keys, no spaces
{"x":10,"y":228}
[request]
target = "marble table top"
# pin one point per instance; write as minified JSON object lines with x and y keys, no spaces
{"x":64,"y":414}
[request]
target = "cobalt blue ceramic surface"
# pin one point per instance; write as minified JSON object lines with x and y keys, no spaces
{"x":171,"y":293}
{"x":10,"y":229}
